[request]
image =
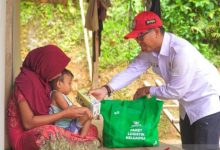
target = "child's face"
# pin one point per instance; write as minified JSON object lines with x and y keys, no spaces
{"x":65,"y":85}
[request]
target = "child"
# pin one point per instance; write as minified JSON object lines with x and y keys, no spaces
{"x":61,"y":87}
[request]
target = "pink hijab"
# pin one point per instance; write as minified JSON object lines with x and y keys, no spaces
{"x":39,"y":66}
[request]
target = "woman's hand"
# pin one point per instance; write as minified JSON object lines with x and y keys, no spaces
{"x":141,"y":92}
{"x":29,"y":120}
{"x":99,"y":93}
{"x":77,"y":112}
{"x":73,"y":112}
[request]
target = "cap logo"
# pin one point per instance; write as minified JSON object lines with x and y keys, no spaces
{"x":150,"y":21}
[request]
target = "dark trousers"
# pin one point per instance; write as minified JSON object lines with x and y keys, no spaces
{"x":202,"y":134}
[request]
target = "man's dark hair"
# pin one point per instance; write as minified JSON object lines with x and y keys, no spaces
{"x":61,"y":77}
{"x":162,"y":30}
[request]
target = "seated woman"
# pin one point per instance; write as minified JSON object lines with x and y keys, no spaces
{"x":29,"y":125}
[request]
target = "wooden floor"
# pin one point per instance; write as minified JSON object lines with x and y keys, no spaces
{"x":163,"y":146}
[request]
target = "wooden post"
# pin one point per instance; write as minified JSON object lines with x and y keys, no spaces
{"x":16,"y":39}
{"x":95,"y":66}
{"x":12,"y":50}
{"x":8,"y":59}
{"x":2,"y":70}
{"x":86,"y":40}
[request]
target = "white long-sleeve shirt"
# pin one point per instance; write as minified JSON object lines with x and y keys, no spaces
{"x":188,"y":76}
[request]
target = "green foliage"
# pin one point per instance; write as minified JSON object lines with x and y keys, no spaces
{"x":43,"y":23}
{"x":197,"y":21}
{"x":115,"y":49}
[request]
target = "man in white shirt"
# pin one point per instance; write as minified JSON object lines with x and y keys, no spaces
{"x":188,"y":77}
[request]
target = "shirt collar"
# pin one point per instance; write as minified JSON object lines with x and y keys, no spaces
{"x":165,"y":45}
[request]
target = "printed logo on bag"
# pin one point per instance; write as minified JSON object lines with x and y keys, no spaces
{"x":135,"y":134}
{"x":136,"y":124}
{"x":155,"y":142}
{"x":116,"y":112}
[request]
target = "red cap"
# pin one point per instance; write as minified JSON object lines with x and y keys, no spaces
{"x":144,"y":21}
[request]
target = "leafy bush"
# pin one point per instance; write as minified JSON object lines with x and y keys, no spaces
{"x":197,"y":21}
{"x":43,"y":23}
{"x":115,"y":49}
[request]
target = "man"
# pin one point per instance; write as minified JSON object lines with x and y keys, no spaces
{"x":188,"y":77}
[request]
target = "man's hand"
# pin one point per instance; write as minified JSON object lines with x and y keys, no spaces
{"x":99,"y":93}
{"x":141,"y":92}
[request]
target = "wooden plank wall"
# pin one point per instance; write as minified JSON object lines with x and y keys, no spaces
{"x":8,"y":58}
{"x":12,"y":50}
{"x":16,"y":63}
{"x":2,"y":69}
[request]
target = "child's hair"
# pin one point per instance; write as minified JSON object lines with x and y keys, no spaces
{"x":67,"y":72}
{"x":61,"y":77}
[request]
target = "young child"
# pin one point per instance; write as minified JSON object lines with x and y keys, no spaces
{"x":61,"y":87}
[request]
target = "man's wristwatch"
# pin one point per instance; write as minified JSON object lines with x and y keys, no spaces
{"x":108,"y":89}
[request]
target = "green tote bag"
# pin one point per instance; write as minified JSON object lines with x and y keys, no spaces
{"x":131,"y":123}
